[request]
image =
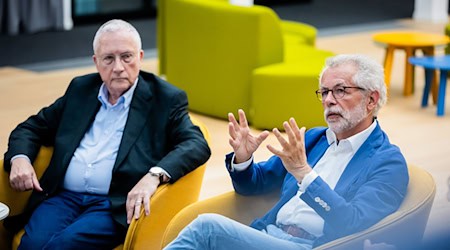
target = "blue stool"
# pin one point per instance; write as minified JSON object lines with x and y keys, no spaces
{"x":430,"y":64}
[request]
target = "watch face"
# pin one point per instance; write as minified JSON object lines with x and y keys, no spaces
{"x":156,"y":171}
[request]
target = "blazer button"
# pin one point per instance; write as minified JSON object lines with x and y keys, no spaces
{"x":327,"y":208}
{"x":317,"y":199}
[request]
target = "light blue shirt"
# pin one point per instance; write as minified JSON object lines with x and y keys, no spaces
{"x":90,"y":169}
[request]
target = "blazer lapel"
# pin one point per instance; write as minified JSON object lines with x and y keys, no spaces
{"x":137,"y":117}
{"x":83,"y":112}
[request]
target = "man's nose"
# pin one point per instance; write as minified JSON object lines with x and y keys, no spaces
{"x":329,"y":97}
{"x":118,"y":66}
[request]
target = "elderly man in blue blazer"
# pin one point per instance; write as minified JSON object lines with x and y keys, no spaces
{"x":333,"y":181}
{"x":117,"y":134}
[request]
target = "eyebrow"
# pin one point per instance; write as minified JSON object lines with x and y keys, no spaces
{"x":339,"y":84}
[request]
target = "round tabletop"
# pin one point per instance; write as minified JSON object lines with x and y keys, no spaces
{"x":411,"y":38}
{"x":432,"y":62}
{"x":4,"y":211}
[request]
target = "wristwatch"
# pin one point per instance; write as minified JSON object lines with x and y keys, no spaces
{"x":157,"y":172}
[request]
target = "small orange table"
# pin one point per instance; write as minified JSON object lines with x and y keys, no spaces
{"x":410,"y":42}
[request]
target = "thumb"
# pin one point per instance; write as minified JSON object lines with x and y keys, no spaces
{"x":36,"y":184}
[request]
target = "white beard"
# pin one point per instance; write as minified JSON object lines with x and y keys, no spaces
{"x":348,"y":120}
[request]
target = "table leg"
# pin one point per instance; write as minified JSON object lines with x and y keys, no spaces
{"x":441,"y":93}
{"x":429,"y":51}
{"x":409,"y":68}
{"x":429,"y":74}
{"x":389,"y":56}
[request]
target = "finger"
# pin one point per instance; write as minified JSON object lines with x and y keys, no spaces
{"x":262,"y":136}
{"x":289,"y":133}
{"x":130,"y":209}
{"x":275,"y":151}
{"x":28,"y":183}
{"x":232,"y":119}
{"x":36,"y":184}
{"x":295,"y":128}
{"x":280,"y":138}
{"x":147,"y":205}
{"x":137,"y":209}
{"x":21,"y":186}
{"x":302,"y":134}
{"x":242,"y":119}
{"x":232,"y":130}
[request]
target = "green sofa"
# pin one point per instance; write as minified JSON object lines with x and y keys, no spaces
{"x":230,"y":57}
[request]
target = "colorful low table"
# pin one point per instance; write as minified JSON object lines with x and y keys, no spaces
{"x":410,"y":42}
{"x":431,"y":64}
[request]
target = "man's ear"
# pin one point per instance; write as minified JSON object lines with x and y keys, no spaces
{"x":374,"y":97}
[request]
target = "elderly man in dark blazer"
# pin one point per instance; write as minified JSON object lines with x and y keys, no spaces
{"x":117,"y":134}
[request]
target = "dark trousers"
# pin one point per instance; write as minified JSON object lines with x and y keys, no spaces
{"x":73,"y":221}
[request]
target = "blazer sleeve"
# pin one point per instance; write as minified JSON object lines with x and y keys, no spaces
{"x":188,"y":142}
{"x":37,"y":130}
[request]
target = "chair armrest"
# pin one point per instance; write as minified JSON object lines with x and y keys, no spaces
{"x":405,"y":227}
{"x":237,"y":207}
{"x":147,"y":231}
{"x":16,"y":201}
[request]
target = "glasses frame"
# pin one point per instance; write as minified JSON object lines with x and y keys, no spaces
{"x":321,"y":94}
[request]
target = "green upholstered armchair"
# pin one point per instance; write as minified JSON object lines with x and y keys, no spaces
{"x":403,"y":228}
{"x":144,"y":233}
{"x":228,"y":57}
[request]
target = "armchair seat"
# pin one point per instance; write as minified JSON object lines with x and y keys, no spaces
{"x":403,"y":228}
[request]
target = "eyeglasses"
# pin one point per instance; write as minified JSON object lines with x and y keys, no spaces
{"x":338,"y":92}
{"x":126,"y":58}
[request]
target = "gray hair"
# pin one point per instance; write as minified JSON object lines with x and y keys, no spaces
{"x":369,"y":75}
{"x":116,"y":25}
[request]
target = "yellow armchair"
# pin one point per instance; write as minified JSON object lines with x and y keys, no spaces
{"x":403,"y":228}
{"x":144,"y":233}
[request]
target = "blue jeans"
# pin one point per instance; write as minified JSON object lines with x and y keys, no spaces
{"x":213,"y":231}
{"x":73,"y":221}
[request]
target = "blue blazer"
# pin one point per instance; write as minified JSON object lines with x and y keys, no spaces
{"x":371,"y":187}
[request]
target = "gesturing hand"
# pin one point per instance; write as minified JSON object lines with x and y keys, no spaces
{"x":243,"y":142}
{"x":292,"y":154}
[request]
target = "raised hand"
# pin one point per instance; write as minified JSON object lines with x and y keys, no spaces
{"x":243,"y":142}
{"x":22,"y":176}
{"x":292,"y":154}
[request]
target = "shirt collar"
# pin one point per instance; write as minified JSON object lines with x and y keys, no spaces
{"x":125,"y":98}
{"x":355,"y":141}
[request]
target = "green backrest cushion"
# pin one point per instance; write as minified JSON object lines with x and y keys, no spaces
{"x":211,"y":48}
